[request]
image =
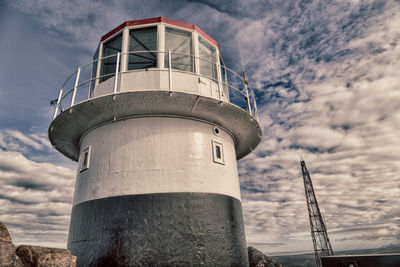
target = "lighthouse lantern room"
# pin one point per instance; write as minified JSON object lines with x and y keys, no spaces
{"x":156,"y":123}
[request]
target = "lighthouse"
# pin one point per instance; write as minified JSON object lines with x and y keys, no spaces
{"x":156,"y":123}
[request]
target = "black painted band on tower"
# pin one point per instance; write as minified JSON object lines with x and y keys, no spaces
{"x":164,"y":229}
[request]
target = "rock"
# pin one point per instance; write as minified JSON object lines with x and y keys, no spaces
{"x":31,"y":256}
{"x":4,"y":234}
{"x":35,"y":256}
{"x":7,"y":249}
{"x":8,"y":257}
{"x":258,"y":259}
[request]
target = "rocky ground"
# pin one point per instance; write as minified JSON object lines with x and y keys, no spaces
{"x":31,"y":256}
{"x":258,"y":259}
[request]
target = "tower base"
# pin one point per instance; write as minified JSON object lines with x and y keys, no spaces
{"x":164,"y":229}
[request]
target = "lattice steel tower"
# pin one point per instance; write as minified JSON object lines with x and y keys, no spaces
{"x":322,"y":245}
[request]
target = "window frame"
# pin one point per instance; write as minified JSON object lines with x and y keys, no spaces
{"x":93,"y":74}
{"x":157,"y":59}
{"x":206,"y":61}
{"x":192,"y":55}
{"x":85,"y":155}
{"x":218,"y":146}
{"x":106,"y":76}
{"x":160,"y":28}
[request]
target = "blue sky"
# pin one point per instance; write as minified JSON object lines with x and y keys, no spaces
{"x":326,"y":76}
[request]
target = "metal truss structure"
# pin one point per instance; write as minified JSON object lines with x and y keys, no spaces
{"x":322,"y":245}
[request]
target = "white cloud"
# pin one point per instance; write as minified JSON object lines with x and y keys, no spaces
{"x":15,"y":140}
{"x":326,"y":78}
{"x":366,"y":233}
{"x":24,"y":139}
{"x":35,"y":146}
{"x":345,"y":125}
{"x":35,"y":198}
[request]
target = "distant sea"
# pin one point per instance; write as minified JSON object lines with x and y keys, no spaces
{"x":308,"y":260}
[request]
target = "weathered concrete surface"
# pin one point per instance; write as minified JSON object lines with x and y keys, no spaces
{"x":31,"y":256}
{"x":258,"y":259}
{"x":7,"y":249}
{"x":171,"y":229}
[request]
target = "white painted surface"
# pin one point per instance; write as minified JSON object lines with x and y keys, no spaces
{"x":140,"y":80}
{"x":161,"y":44}
{"x":156,"y":155}
{"x":155,"y":79}
{"x":104,"y":88}
{"x":125,"y":50}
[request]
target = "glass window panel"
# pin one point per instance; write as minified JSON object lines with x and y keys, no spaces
{"x":110,"y":48}
{"x":180,"y":44}
{"x":207,"y":54}
{"x":217,"y":150}
{"x":85,"y":158}
{"x":142,"y":40}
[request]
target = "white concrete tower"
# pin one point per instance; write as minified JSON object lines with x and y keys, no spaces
{"x":157,"y":132}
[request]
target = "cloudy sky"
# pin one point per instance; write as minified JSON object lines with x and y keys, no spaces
{"x":327,"y":80}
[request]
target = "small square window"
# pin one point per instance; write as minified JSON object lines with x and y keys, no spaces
{"x":218,"y":152}
{"x":85,"y":159}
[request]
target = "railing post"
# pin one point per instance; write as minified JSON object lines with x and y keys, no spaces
{"x":225,"y":85}
{"x":219,"y":77}
{"x":116,"y":73}
{"x":99,"y":64}
{"x":58,"y":103}
{"x":75,"y":86}
{"x":91,"y":81}
{"x":169,"y":70}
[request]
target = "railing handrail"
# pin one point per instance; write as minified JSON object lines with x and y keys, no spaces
{"x":156,"y":51}
{"x":247,"y":92}
{"x":69,"y":77}
{"x":153,"y":51}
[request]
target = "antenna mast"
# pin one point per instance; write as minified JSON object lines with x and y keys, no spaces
{"x":322,"y":245}
{"x":245,"y":80}
{"x":241,"y":62}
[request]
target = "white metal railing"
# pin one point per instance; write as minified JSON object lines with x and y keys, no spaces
{"x":236,"y":91}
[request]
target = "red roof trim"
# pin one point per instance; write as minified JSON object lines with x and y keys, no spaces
{"x":143,"y":21}
{"x":159,"y":19}
{"x":178,"y":23}
{"x":205,"y":35}
{"x":120,"y":27}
